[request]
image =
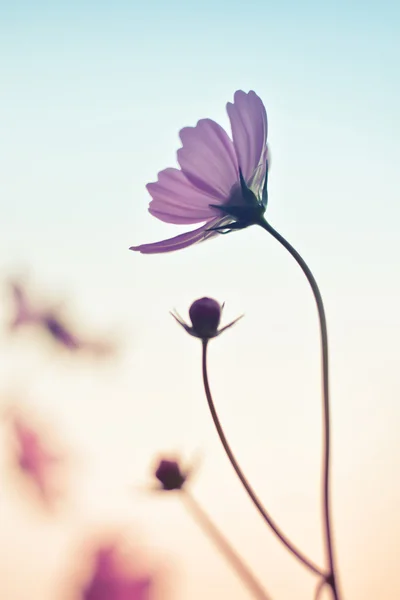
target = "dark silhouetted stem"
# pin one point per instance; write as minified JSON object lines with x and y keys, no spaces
{"x":319,"y":588}
{"x":308,"y":563}
{"x":331,"y":580}
{"x":212,"y":531}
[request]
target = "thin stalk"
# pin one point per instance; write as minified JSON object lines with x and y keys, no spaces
{"x":319,"y":589}
{"x":331,"y":580}
{"x":212,"y":531}
{"x":278,"y":532}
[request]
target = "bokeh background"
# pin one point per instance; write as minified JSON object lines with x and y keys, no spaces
{"x":93,"y":95}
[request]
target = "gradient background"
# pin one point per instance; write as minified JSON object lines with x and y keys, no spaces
{"x":93,"y":95}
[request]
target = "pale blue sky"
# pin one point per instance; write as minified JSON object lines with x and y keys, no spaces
{"x":92,"y":98}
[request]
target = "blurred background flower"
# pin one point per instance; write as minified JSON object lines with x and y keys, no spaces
{"x":114,"y":579}
{"x":33,"y":455}
{"x":51,"y":321}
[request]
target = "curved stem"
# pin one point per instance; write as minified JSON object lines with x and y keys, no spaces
{"x":224,"y":546}
{"x":319,"y":588}
{"x":285,"y":541}
{"x":325,"y":390}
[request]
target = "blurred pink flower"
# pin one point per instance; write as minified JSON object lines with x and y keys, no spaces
{"x":25,"y":313}
{"x":112,"y":580}
{"x":34,"y":459}
{"x":222,"y":181}
{"x":62,"y":334}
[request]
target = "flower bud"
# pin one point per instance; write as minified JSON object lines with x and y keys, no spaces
{"x":169,"y":475}
{"x":205,"y":315}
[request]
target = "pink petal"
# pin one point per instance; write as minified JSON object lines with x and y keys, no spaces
{"x":137,"y":590}
{"x":110,"y":580}
{"x":176,"y":200}
{"x":249,"y":124}
{"x":208,"y":158}
{"x":24,"y":313}
{"x":34,"y":459}
{"x":183,"y":240}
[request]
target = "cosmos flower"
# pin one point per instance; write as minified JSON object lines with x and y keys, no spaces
{"x":205,"y":315}
{"x":222,"y":182}
{"x":112,"y":580}
{"x":34,"y":458}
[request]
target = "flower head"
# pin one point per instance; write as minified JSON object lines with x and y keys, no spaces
{"x":170,"y":475}
{"x":222,"y":182}
{"x":205,"y":315}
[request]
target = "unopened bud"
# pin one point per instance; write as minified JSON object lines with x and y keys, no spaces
{"x":169,"y":475}
{"x":205,"y":315}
